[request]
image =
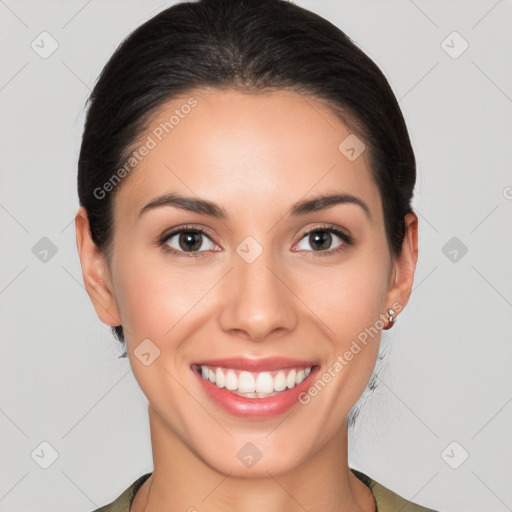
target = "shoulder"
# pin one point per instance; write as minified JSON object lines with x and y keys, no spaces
{"x":387,"y":500}
{"x":123,"y":502}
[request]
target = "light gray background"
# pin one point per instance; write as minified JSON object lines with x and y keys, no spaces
{"x":447,"y":372}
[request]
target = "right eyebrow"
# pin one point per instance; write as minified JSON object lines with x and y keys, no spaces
{"x":192,"y":204}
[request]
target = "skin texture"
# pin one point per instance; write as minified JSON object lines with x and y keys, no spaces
{"x":255,"y":155}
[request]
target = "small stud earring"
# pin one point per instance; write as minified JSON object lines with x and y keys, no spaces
{"x":392,"y":318}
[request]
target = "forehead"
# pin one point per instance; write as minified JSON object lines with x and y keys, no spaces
{"x":251,"y":149}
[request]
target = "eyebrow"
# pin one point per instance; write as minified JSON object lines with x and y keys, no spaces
{"x":205,"y":207}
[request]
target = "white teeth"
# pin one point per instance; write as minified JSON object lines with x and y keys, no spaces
{"x":246,"y":383}
{"x":280,"y":381}
{"x":220,"y":380}
{"x":290,"y":380}
{"x":231,"y":380}
{"x":264,"y":383}
{"x":255,"y":385}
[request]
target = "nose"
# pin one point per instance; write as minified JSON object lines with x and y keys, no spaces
{"x":259,"y":300}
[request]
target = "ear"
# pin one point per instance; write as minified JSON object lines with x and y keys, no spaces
{"x":96,"y":273}
{"x":402,"y":275}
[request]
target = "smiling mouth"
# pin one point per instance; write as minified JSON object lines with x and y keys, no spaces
{"x":253,"y":384}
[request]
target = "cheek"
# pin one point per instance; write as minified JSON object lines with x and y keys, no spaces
{"x":349,"y":306}
{"x":350,"y":297}
{"x":153,"y":295}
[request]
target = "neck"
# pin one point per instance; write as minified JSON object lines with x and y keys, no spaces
{"x":181,"y":480}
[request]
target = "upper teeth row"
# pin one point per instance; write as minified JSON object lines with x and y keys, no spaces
{"x":248,"y":382}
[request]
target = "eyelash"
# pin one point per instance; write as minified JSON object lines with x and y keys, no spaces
{"x":347,"y":239}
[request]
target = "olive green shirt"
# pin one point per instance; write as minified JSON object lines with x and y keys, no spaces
{"x":387,"y":500}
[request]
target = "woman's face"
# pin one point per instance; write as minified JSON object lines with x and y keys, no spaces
{"x":254,"y":290}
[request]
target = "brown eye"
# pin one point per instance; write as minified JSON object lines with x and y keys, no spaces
{"x":190,"y":241}
{"x":321,"y":240}
{"x":187,"y":240}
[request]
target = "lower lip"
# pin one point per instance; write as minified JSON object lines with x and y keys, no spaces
{"x":257,"y":407}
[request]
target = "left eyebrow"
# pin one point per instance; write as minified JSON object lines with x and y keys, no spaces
{"x":205,"y":207}
{"x":328,"y":201}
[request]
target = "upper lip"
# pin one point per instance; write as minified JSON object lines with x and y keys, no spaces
{"x":258,"y":365}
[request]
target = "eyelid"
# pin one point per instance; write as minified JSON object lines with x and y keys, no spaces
{"x":344,"y":233}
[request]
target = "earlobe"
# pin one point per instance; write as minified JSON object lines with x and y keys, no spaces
{"x":95,"y":272}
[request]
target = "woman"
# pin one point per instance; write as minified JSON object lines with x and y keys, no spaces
{"x":245,"y":183}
